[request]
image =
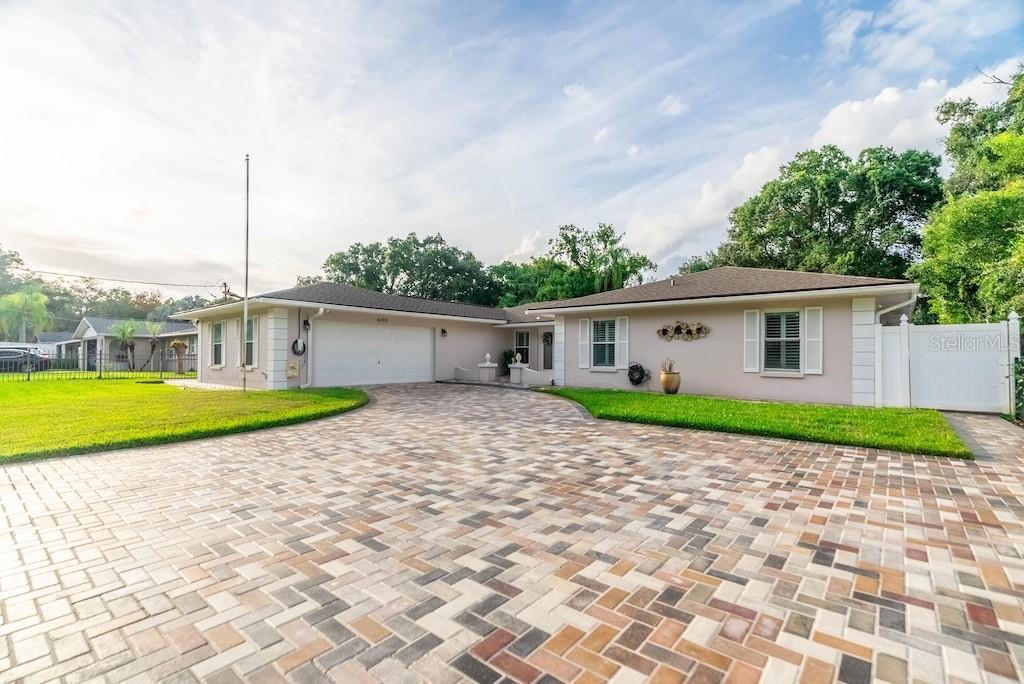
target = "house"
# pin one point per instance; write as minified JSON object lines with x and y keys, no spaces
{"x":94,"y":341}
{"x":47,"y":341}
{"x":754,"y":333}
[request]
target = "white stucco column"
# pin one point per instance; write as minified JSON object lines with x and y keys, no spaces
{"x":558,"y":351}
{"x":863,"y":361}
{"x":277,"y":348}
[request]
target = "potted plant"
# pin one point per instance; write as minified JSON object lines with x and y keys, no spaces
{"x":669,"y":377}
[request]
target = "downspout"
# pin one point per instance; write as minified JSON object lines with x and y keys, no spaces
{"x":309,"y":350}
{"x":894,"y":307}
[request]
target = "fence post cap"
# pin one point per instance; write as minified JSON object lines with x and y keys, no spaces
{"x":904,"y":319}
{"x":1013,"y":316}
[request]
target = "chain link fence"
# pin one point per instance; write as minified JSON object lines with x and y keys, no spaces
{"x":26,"y":365}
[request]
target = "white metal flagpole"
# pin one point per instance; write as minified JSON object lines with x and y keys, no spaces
{"x":245,"y":287}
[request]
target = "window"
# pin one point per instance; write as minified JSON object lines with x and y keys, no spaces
{"x":604,"y":343}
{"x":523,"y":345}
{"x":251,"y":334}
{"x":782,"y":341}
{"x":217,"y":344}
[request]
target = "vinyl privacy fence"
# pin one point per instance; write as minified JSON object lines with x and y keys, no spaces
{"x":971,"y":367}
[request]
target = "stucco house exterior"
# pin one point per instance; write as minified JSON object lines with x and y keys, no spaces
{"x":777,"y":335}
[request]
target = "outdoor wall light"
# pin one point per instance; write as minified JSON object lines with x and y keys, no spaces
{"x":444,"y":332}
{"x":305,"y":325}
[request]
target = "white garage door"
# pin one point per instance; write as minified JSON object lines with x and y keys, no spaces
{"x":358,"y":354}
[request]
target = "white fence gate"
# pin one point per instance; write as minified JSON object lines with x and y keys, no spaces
{"x":952,"y":367}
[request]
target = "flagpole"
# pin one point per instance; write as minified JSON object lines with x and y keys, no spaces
{"x":245,"y":288}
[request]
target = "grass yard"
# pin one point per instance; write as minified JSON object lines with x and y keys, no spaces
{"x":918,"y":431}
{"x":48,"y":418}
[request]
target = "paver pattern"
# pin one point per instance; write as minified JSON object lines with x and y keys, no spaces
{"x":450,"y":533}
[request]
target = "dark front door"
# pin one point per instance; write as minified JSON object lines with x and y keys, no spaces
{"x":546,"y":350}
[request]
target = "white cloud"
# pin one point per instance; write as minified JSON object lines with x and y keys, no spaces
{"x":902,"y":118}
{"x":911,"y":35}
{"x":841,"y":30}
{"x":672,"y":105}
{"x":123,"y":128}
{"x":697,"y":218}
{"x":533,"y":244}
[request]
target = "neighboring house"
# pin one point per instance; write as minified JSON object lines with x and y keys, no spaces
{"x":781,"y":335}
{"x":48,"y":341}
{"x":94,"y":341}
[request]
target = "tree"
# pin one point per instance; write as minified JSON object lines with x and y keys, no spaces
{"x":534,"y":281}
{"x":415,"y":267}
{"x":973,"y":248}
{"x":829,"y":213}
{"x":179,"y":346}
{"x":24,"y":310}
{"x":10,"y":263}
{"x":598,"y":256}
{"x":172,"y":306}
{"x":153,"y":328}
{"x":973,"y":267}
{"x":972,"y":129}
{"x":578,"y":263}
{"x":124,"y":333}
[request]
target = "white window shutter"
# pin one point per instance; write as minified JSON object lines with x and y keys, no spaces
{"x":813,"y":342}
{"x":584,"y":343}
{"x":622,"y":342}
{"x":752,"y":341}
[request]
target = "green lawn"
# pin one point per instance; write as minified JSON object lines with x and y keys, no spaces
{"x":46,"y":418}
{"x":916,"y":431}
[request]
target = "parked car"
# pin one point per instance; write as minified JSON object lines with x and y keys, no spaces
{"x":23,"y":359}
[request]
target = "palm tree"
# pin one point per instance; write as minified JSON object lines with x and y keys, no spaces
{"x":179,"y":347}
{"x":22,"y":309}
{"x":125,"y":331}
{"x":153,"y":328}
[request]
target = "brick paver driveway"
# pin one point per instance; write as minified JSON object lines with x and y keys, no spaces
{"x":448,"y":533}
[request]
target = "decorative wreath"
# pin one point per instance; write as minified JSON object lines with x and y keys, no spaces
{"x":681,"y":330}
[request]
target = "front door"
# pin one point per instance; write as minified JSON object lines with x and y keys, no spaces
{"x":546,"y":345}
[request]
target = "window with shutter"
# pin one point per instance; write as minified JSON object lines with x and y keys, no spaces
{"x":603,"y":342}
{"x":782,"y":341}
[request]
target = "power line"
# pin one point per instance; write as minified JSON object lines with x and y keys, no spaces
{"x":118,"y":280}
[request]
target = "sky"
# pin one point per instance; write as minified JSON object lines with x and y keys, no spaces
{"x":123,"y":126}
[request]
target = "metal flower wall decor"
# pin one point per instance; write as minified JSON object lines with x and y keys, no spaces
{"x":681,"y":330}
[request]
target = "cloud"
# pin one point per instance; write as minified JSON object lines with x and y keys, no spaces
{"x":124,"y":129}
{"x":910,"y":35}
{"x":672,"y":105}
{"x":902,"y":118}
{"x":698,"y":219}
{"x":841,"y":29}
{"x":532,"y":244}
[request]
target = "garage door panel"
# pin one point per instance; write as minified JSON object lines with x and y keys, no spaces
{"x":361,"y":354}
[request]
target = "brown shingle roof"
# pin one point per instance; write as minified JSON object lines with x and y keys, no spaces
{"x":347,"y":295}
{"x":725,"y":281}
